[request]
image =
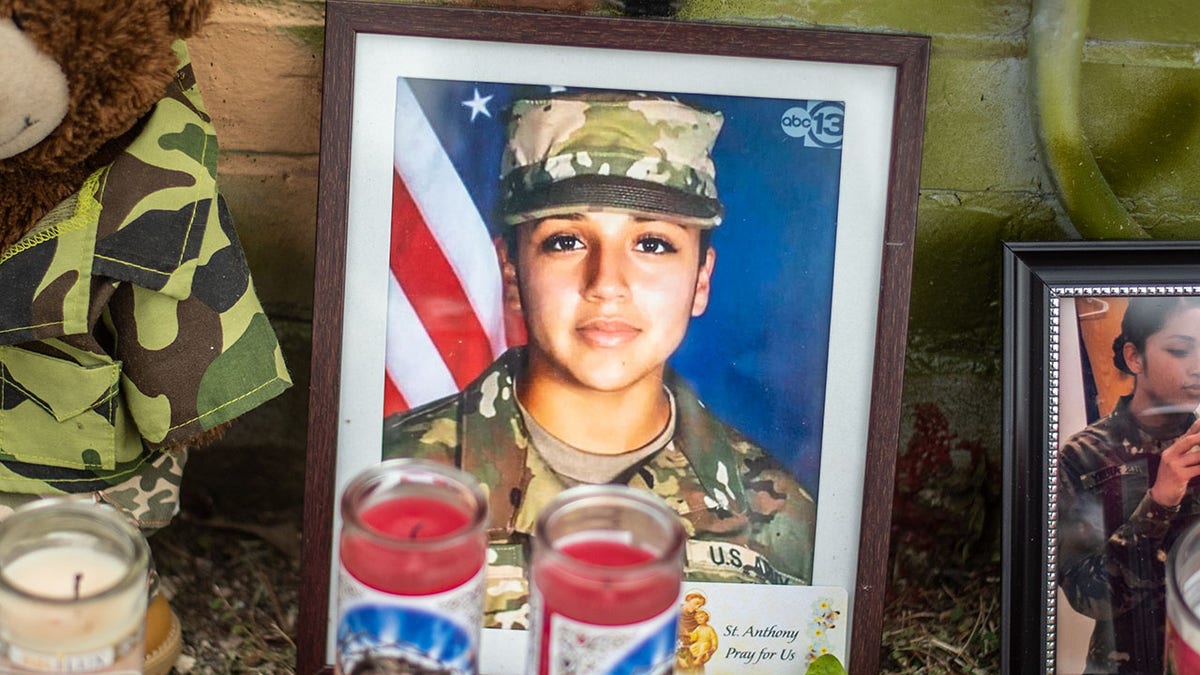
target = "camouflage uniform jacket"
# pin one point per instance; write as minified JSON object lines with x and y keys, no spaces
{"x":129,"y":324}
{"x":747,"y":518}
{"x":1114,"y":538}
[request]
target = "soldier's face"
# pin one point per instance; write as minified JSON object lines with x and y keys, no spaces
{"x":607,"y":297}
{"x":1168,"y":370}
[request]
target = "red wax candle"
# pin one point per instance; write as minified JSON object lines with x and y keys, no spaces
{"x":605,"y":582}
{"x":408,"y":547}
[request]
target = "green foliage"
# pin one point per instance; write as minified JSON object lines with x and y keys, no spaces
{"x":826,"y":665}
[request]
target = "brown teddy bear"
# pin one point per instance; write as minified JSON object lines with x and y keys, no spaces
{"x":129,"y":326}
{"x":76,"y":77}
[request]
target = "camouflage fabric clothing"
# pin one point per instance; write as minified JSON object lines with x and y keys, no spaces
{"x":642,"y":154}
{"x":129,"y":324}
{"x":747,"y":518}
{"x":1113,"y":539}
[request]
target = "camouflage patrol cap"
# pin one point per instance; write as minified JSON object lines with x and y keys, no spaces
{"x":632,"y":153}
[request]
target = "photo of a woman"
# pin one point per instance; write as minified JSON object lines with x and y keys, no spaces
{"x":1124,"y":485}
{"x":607,"y":208}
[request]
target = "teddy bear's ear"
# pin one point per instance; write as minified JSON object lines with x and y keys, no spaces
{"x":188,"y":15}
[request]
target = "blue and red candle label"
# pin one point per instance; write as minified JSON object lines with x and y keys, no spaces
{"x":577,"y":647}
{"x":382,"y":632}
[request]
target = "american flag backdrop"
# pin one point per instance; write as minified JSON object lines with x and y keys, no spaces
{"x":757,"y":357}
{"x":446,"y":321}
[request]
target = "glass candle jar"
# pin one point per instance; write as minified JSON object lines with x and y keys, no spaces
{"x":413,"y":549}
{"x":1183,"y":604}
{"x":73,"y":589}
{"x":605,"y":583}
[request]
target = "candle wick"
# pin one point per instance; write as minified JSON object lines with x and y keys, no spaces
{"x":413,"y":533}
{"x":78,"y":581}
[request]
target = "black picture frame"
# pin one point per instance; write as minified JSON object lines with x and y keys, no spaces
{"x":905,"y":56}
{"x":1039,"y":277}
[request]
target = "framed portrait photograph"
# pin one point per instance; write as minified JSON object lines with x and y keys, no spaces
{"x":1102,"y":392}
{"x":560,"y":250}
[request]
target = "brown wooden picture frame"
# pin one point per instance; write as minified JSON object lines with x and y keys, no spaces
{"x":899,"y":61}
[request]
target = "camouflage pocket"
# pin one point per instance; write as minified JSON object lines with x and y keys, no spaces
{"x":1121,"y":487}
{"x":55,"y":412}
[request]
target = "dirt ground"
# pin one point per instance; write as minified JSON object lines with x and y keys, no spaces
{"x":230,"y":561}
{"x":236,"y":595}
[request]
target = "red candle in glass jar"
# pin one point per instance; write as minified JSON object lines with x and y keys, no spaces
{"x":605,"y":582}
{"x":1182,"y":650}
{"x":413,"y":547}
{"x":1181,"y":656}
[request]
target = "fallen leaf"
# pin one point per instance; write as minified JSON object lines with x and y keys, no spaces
{"x":826,"y":665}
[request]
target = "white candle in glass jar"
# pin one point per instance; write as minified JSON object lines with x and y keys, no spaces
{"x":72,"y":592}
